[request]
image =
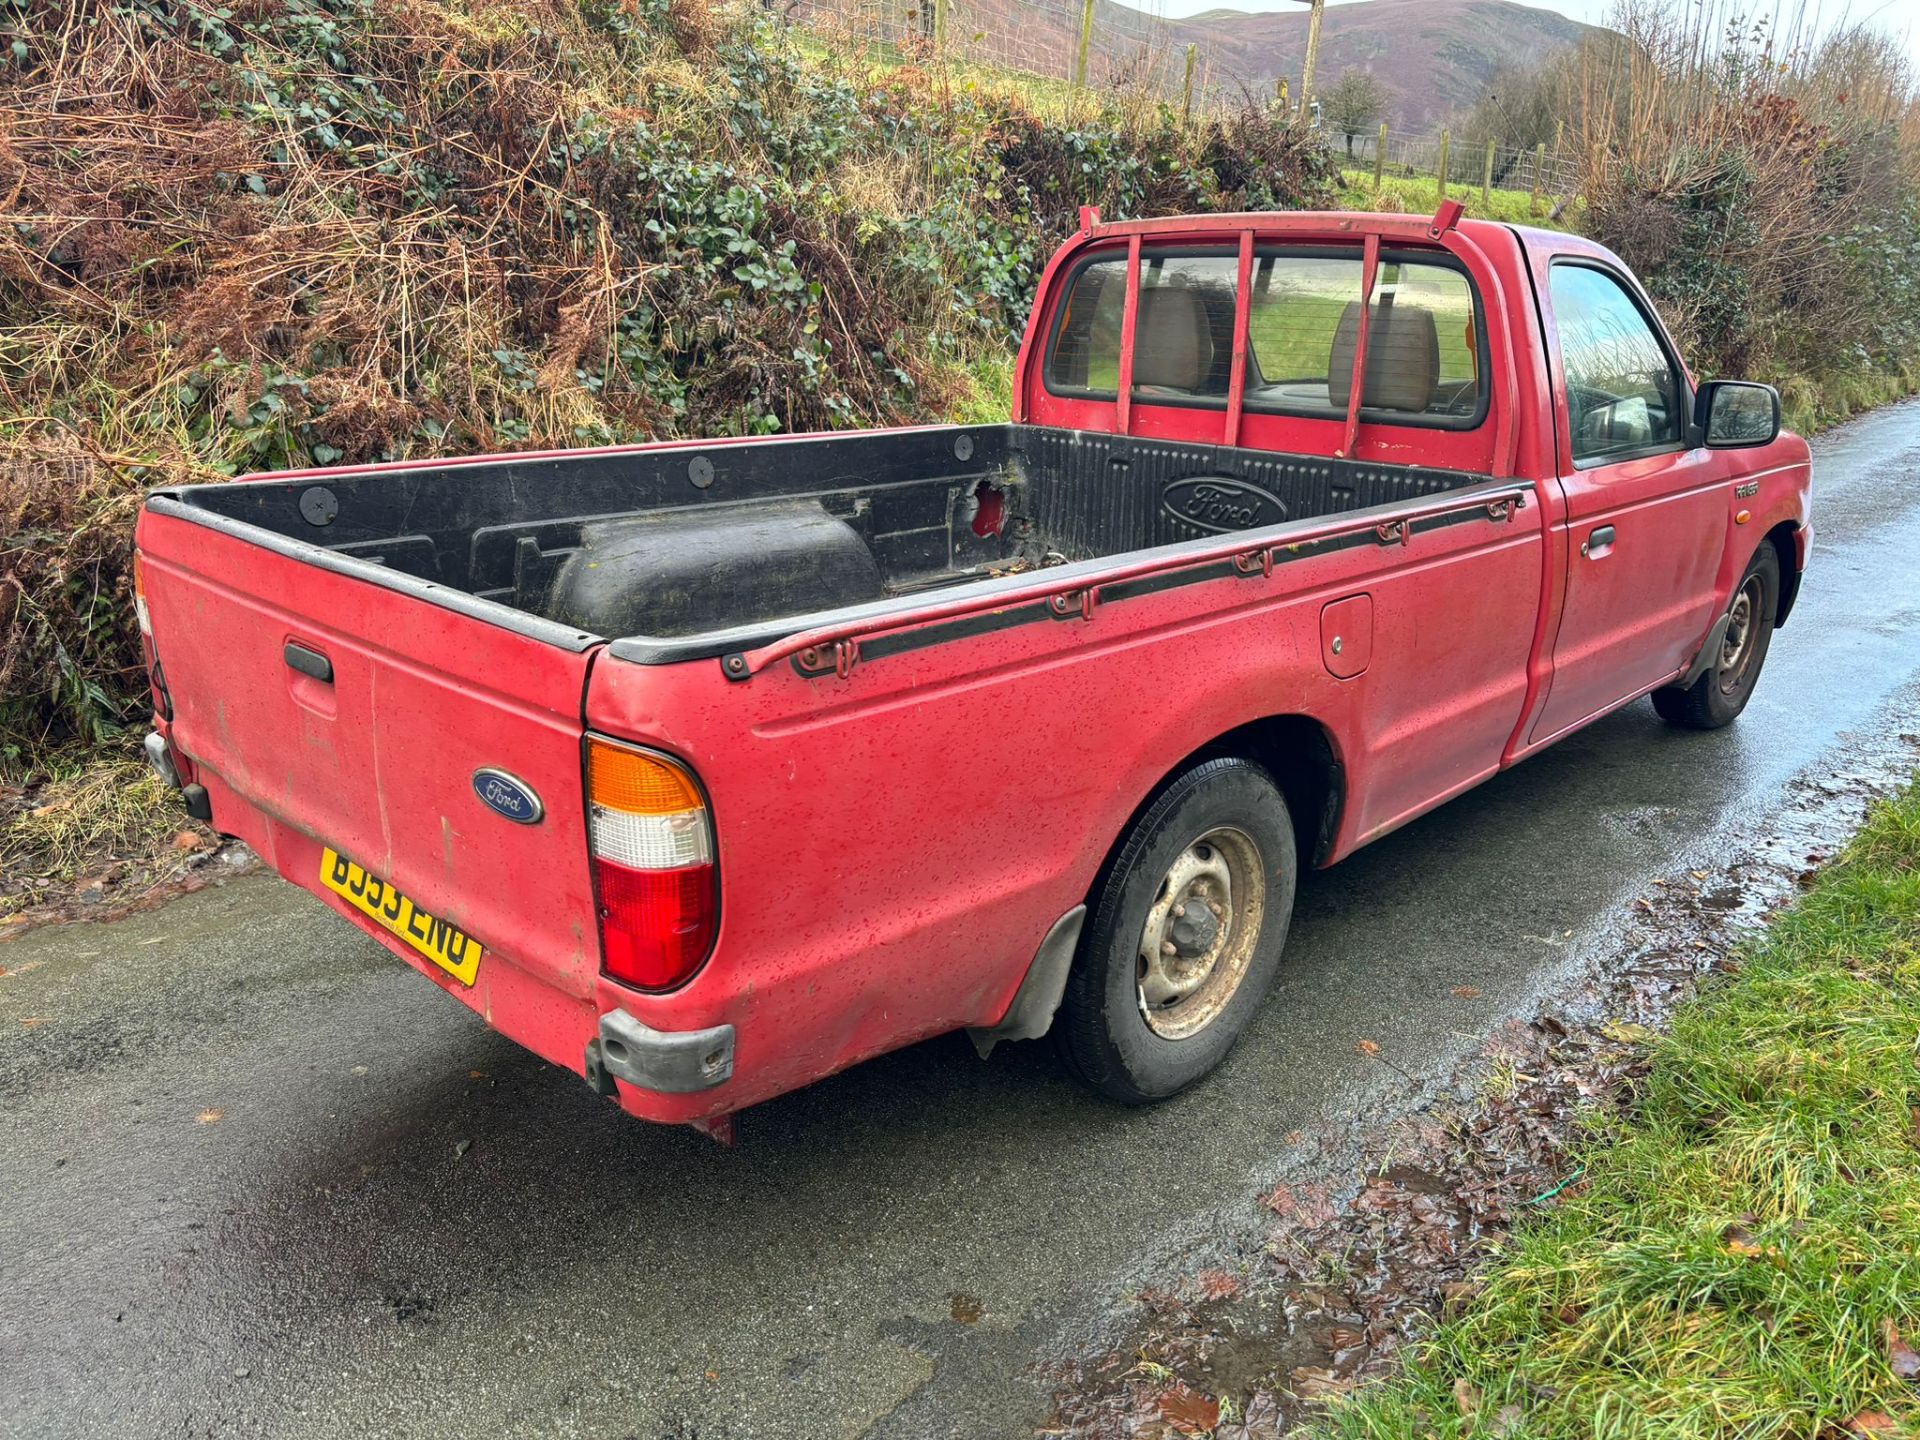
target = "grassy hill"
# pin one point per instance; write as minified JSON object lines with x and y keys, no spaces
{"x":1433,"y":57}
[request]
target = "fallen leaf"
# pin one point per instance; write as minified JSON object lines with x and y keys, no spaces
{"x":1188,"y":1411}
{"x":1506,"y":1420}
{"x":460,"y":1148}
{"x":1367,"y":1047}
{"x":1873,"y":1422}
{"x":1219,"y":1285}
{"x":476,"y":1074}
{"x":1467,"y":992}
{"x":1625,"y":1032}
{"x":210,"y":1116}
{"x":1904,"y":1359}
{"x":27,"y":1022}
{"x":1314,"y":1382}
{"x":1467,"y":1396}
{"x":188,"y":840}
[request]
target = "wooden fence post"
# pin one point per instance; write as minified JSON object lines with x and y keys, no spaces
{"x":1445,"y":140}
{"x":1486,"y":179}
{"x":1380,"y":158}
{"x":1539,"y":168}
{"x":1186,"y":101}
{"x":1086,"y":40}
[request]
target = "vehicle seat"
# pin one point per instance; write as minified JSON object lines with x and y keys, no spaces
{"x":1403,"y":357}
{"x":1173,"y":342}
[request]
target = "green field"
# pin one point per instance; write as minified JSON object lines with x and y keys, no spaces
{"x":1420,"y":195}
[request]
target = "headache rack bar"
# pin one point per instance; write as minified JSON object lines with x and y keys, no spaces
{"x":835,"y":645}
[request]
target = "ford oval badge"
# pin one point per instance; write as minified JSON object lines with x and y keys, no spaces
{"x":1210,"y":502}
{"x":509,"y":796}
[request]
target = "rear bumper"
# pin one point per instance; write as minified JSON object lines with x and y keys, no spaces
{"x":673,"y":1077}
{"x":672,"y":1062}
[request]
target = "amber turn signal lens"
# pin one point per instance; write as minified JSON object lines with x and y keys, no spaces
{"x":637,"y":783}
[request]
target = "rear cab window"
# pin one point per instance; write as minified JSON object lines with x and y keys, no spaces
{"x":1426,"y":362}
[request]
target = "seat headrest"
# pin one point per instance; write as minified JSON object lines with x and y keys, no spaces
{"x":1173,"y":340}
{"x":1403,"y":357}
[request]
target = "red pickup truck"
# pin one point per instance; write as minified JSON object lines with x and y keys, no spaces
{"x":708,"y":769}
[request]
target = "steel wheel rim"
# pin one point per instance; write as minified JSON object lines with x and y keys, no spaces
{"x":1743,"y":622}
{"x":1200,"y":932}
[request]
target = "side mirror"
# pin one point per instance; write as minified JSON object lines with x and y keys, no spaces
{"x":1735,"y":414}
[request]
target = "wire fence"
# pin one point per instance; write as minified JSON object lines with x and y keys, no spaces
{"x":1468,"y":161}
{"x":1113,"y":47}
{"x":1100,"y":44}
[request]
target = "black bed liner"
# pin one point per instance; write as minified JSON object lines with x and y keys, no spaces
{"x":554,"y":546}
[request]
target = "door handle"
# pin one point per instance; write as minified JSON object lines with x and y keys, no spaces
{"x":308,"y":662}
{"x":1598,"y":543}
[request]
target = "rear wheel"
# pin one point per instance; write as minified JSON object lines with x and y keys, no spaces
{"x":1185,"y":936}
{"x":1722,"y":691}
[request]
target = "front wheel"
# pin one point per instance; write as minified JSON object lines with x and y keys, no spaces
{"x":1186,"y":933}
{"x":1722,"y":691}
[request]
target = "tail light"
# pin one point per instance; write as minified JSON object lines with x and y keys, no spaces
{"x":156,"y":677}
{"x":652,"y":843}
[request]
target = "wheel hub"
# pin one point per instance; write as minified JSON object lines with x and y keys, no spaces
{"x":1200,"y":932}
{"x":1738,"y":644}
{"x":1193,"y":929}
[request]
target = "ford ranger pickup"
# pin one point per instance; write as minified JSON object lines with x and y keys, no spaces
{"x":706,"y":769}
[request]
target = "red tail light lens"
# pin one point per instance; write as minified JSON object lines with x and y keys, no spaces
{"x":652,"y":843}
{"x":655,"y":925}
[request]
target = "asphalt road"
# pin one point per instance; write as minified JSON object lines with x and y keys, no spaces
{"x":257,"y":1177}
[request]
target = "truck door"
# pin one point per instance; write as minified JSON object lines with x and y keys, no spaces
{"x":1646,"y":511}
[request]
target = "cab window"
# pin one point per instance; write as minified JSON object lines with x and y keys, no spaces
{"x":1425,"y":360}
{"x":1423,"y":346}
{"x":1183,"y":333}
{"x":1625,"y":395}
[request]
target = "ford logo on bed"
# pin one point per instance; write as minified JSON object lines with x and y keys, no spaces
{"x":508,"y":795}
{"x":1210,"y":502}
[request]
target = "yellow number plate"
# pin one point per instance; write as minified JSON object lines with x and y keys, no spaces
{"x":453,"y":950}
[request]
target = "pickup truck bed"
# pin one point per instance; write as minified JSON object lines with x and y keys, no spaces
{"x":693,"y":551}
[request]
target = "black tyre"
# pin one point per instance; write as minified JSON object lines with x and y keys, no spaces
{"x":1185,"y":935}
{"x":1722,"y":691}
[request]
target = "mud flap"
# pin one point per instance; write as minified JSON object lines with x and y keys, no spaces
{"x":1031,"y":1013}
{"x":1716,"y":637}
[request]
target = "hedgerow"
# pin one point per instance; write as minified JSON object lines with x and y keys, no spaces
{"x":293,"y":232}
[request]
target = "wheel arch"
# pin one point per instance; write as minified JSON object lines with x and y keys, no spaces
{"x":1298,"y":751}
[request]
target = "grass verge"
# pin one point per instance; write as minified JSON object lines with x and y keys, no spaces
{"x":1740,"y":1254}
{"x":92,"y":830}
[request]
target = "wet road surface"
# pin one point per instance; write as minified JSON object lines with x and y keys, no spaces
{"x":257,"y":1177}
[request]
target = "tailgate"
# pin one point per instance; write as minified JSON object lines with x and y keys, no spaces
{"x":380,"y":762}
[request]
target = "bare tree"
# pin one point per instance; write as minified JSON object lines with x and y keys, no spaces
{"x":1353,"y":104}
